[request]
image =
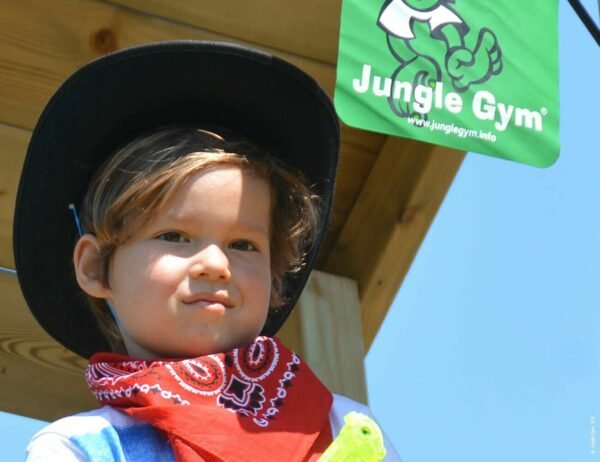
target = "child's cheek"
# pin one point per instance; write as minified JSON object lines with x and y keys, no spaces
{"x":256,"y":264}
{"x":165,"y":270}
{"x":256,"y":275}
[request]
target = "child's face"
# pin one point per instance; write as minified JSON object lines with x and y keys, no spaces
{"x":197,"y":279}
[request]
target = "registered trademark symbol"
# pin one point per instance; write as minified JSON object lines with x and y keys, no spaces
{"x":544,"y":111}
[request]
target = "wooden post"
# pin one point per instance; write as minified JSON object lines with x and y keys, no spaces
{"x":38,"y":377}
{"x":326,"y":331}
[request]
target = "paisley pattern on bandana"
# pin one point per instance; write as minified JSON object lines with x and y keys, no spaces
{"x":252,"y":392}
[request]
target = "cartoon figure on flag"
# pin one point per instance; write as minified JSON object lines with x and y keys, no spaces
{"x":428,"y":39}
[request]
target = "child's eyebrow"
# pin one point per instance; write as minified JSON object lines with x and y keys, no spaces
{"x":242,"y":226}
{"x":252,"y":228}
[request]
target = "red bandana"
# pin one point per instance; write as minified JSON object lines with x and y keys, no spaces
{"x":255,"y":403}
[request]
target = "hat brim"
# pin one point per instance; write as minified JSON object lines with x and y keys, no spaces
{"x":114,"y":98}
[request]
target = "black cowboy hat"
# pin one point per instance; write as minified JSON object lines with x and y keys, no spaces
{"x":115,"y":98}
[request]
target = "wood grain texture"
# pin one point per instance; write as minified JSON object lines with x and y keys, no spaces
{"x":383,"y":282}
{"x":13,"y":142}
{"x":41,"y":43}
{"x":308,"y":28}
{"x":389,"y":221}
{"x":330,"y":325}
{"x":38,"y":377}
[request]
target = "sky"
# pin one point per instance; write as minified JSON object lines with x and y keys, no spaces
{"x":491,"y":350}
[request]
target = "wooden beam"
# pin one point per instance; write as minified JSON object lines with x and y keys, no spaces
{"x":38,"y":377}
{"x":326,"y":331}
{"x":389,"y":221}
{"x":41,"y":44}
{"x":308,"y":28}
{"x":12,"y":148}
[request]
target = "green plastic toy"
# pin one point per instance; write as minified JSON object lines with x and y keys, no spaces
{"x":360,"y":439}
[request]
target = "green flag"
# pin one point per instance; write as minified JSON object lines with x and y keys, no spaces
{"x":475,"y":75}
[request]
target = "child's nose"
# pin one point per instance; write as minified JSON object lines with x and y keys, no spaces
{"x":212,"y":264}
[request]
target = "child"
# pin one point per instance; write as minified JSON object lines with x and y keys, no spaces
{"x":194,"y":244}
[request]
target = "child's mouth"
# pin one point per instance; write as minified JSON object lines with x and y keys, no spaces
{"x":217,"y":302}
{"x":208,"y":305}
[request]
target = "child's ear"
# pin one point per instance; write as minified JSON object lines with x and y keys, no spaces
{"x":86,"y":259}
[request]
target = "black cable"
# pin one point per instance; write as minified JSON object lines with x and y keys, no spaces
{"x":586,"y":19}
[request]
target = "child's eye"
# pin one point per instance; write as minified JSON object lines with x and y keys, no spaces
{"x":172,"y":236}
{"x":245,"y":246}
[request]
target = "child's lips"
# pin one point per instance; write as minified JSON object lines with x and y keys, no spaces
{"x":209,"y":301}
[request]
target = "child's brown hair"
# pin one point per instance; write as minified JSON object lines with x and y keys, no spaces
{"x":141,"y":177}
